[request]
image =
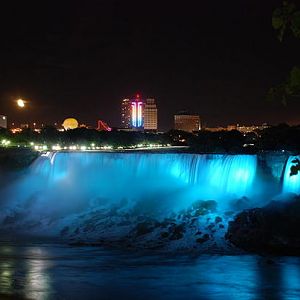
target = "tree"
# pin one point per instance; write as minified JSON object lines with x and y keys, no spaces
{"x":285,"y":20}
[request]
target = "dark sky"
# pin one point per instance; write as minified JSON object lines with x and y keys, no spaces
{"x":80,"y":58}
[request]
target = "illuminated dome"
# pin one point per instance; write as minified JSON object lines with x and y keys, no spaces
{"x":70,"y":123}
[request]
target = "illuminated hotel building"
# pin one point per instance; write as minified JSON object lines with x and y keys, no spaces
{"x":132,"y":114}
{"x":150,"y":115}
{"x":137,"y":117}
{"x":126,"y":113}
{"x":3,"y":121}
{"x":187,"y":122}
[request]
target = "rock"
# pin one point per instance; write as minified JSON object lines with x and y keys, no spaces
{"x":124,"y":223}
{"x":201,"y":208}
{"x":203,"y":239}
{"x":164,"y":234}
{"x":64,"y":231}
{"x":144,"y":228}
{"x":241,"y":204}
{"x":177,"y":232}
{"x":210,"y":227}
{"x":270,"y":261}
{"x":273,"y":228}
{"x":218,"y":219}
{"x":229,"y":213}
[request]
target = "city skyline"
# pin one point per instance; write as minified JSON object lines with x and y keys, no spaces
{"x":82,"y":59}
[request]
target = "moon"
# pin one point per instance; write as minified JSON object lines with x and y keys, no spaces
{"x":20,"y":103}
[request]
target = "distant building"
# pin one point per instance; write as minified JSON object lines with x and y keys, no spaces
{"x":241,"y":128}
{"x":246,"y":129}
{"x":126,"y":113}
{"x":187,"y":122}
{"x":24,"y":126}
{"x":150,"y":115}
{"x":216,"y":129}
{"x":3,"y":121}
{"x":231,"y":127}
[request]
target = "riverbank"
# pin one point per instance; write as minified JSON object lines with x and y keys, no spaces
{"x":14,"y":158}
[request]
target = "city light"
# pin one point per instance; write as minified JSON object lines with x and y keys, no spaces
{"x":56,"y":147}
{"x":5,"y":142}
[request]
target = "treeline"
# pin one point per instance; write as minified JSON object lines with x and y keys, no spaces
{"x":82,"y":136}
{"x":276,"y":138}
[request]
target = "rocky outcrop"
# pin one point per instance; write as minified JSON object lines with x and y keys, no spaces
{"x":198,"y":228}
{"x":273,"y":228}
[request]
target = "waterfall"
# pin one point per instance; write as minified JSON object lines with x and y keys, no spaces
{"x":291,"y":181}
{"x":60,"y":187}
{"x":136,"y":174}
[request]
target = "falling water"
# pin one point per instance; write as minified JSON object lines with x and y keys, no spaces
{"x":125,"y":174}
{"x":291,"y":180}
{"x":63,"y":184}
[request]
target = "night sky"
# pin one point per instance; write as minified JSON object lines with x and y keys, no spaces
{"x":80,"y":58}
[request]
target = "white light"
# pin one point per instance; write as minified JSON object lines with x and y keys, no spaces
{"x":20,"y":103}
{"x":56,"y":147}
{"x":5,"y":142}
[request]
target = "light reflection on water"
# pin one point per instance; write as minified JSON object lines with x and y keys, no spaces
{"x":62,"y":272}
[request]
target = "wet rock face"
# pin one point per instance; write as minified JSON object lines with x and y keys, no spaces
{"x":273,"y":228}
{"x":196,"y":228}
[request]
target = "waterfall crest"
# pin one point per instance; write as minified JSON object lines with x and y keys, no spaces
{"x":211,"y":175}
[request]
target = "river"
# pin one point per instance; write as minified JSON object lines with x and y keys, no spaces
{"x":57,"y":271}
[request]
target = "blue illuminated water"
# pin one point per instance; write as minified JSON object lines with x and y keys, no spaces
{"x":214,"y":176}
{"x":291,"y":183}
{"x":64,"y":184}
{"x":59,"y":187}
{"x":43,"y":271}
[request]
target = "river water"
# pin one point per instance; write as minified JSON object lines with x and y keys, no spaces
{"x":56,"y":271}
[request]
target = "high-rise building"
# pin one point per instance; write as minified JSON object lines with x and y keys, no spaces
{"x":187,"y":122}
{"x":132,"y":115}
{"x":150,"y":115}
{"x":137,"y":113}
{"x":126,"y":113}
{"x":3,"y":121}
